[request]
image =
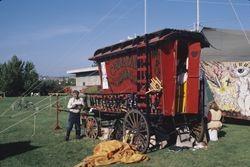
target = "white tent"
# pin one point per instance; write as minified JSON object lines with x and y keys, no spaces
{"x":226,"y":45}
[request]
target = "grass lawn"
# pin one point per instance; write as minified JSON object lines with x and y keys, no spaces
{"x":41,"y":145}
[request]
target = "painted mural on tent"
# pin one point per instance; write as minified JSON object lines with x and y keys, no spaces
{"x":230,"y":85}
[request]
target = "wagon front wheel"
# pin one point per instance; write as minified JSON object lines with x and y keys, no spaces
{"x":92,"y":128}
{"x":136,"y":130}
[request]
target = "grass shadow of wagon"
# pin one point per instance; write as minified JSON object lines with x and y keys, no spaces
{"x":12,"y":149}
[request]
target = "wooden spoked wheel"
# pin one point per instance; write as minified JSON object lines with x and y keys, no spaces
{"x":136,"y":128}
{"x":92,"y":128}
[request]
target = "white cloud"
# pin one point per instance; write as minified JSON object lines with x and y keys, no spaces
{"x":24,"y":38}
{"x":57,"y":31}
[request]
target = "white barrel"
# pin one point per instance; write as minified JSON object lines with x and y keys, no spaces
{"x":213,"y":134}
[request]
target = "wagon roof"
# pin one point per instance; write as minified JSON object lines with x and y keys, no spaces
{"x":152,"y":38}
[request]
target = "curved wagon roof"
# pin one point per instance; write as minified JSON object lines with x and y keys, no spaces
{"x":152,"y":39}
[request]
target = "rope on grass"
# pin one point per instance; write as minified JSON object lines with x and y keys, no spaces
{"x":34,"y":129}
{"x":31,"y":114}
{"x":8,"y":109}
{"x":22,"y":96}
{"x":17,"y":123}
{"x":2,"y":115}
{"x":21,"y":113}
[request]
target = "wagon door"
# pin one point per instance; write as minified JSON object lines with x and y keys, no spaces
{"x":168,"y":68}
{"x":193,"y":78}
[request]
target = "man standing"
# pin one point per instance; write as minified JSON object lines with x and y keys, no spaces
{"x":75,"y":105}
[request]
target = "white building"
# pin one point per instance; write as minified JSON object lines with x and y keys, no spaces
{"x":85,"y":77}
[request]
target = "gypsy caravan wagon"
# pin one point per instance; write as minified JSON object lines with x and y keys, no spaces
{"x":150,"y":85}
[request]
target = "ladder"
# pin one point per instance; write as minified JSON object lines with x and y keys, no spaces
{"x":141,"y":80}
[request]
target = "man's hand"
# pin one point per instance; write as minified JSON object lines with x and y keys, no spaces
{"x":74,"y":106}
{"x":77,"y":106}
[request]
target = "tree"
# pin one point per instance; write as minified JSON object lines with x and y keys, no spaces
{"x":50,"y":86}
{"x":71,"y":82}
{"x":30,"y":76}
{"x":68,"y":82}
{"x":3,"y":77}
{"x":12,"y":76}
{"x":17,"y":76}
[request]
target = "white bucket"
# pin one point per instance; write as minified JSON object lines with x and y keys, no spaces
{"x":213,"y":134}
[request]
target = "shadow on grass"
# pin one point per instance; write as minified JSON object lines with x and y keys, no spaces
{"x":221,"y":133}
{"x":236,"y":121}
{"x":11,"y":149}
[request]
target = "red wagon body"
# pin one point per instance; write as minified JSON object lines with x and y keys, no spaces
{"x":155,"y":76}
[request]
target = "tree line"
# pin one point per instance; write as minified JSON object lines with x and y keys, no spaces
{"x":19,"y":78}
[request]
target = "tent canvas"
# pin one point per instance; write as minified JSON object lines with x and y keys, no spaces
{"x":227,"y":68}
{"x":226,"y":45}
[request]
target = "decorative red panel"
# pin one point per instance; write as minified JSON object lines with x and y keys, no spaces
{"x":193,"y":78}
{"x":121,"y":74}
{"x":168,"y":68}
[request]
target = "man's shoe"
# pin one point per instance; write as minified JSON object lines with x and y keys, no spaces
{"x":67,"y":138}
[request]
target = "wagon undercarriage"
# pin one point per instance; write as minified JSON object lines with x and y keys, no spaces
{"x":141,"y":129}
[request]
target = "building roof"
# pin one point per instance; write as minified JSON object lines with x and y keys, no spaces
{"x":150,"y":40}
{"x":226,"y":45}
{"x":81,"y":70}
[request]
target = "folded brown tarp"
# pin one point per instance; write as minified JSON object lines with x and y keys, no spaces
{"x":113,"y":151}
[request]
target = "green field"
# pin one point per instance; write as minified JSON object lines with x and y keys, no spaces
{"x":32,"y":140}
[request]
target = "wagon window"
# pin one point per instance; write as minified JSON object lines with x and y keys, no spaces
{"x":182,"y":57}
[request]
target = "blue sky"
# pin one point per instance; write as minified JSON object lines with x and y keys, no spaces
{"x":60,"y":35}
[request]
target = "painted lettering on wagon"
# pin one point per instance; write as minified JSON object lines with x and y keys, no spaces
{"x":123,"y":68}
{"x":124,"y":75}
{"x":123,"y":62}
